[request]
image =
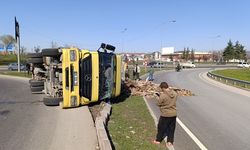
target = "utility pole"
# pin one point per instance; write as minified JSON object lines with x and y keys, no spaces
{"x":17,"y":35}
{"x":161,"y":29}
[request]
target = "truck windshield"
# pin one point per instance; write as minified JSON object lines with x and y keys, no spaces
{"x":85,"y":79}
{"x":106,"y":75}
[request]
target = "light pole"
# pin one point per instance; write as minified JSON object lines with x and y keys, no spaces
{"x":123,"y":31}
{"x":125,"y":63}
{"x":171,"y":21}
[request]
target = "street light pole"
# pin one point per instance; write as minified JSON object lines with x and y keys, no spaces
{"x":123,"y":31}
{"x":171,"y":21}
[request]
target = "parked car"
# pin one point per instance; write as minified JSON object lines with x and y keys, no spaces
{"x":243,"y":65}
{"x":159,"y":65}
{"x":155,"y":64}
{"x":14,"y":66}
{"x":151,"y":64}
{"x":188,"y":65}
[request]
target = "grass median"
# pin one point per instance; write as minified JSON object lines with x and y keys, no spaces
{"x":131,"y":126}
{"x":240,"y":74}
{"x":16,"y":73}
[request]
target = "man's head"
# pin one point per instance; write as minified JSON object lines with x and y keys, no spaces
{"x":163,"y":85}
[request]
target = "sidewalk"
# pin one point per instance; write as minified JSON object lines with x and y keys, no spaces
{"x":75,"y":130}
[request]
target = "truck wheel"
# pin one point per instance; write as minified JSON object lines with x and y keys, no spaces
{"x":52,"y":52}
{"x":34,"y":55}
{"x":52,"y":101}
{"x":36,"y":83}
{"x":36,"y":88}
{"x":35,"y":60}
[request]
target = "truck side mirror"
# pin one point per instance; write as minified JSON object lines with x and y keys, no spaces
{"x":107,"y":47}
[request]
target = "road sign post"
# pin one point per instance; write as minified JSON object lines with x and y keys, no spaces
{"x":17,"y":35}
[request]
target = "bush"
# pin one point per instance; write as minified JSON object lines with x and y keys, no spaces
{"x":10,"y":58}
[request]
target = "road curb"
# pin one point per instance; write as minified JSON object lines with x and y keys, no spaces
{"x":101,"y":125}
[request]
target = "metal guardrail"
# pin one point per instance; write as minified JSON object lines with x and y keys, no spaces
{"x":230,"y":81}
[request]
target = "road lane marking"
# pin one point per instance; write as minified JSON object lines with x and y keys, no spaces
{"x":193,"y":137}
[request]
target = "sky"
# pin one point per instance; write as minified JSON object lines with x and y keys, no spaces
{"x":130,"y":25}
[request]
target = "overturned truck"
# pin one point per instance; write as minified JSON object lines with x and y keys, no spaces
{"x":72,"y":77}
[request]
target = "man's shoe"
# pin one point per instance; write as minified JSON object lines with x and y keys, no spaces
{"x":170,"y":146}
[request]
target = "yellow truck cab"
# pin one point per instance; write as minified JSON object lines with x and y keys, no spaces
{"x":84,"y":76}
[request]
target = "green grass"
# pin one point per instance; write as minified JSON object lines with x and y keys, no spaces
{"x":16,"y":73}
{"x":10,"y":58}
{"x":131,"y":126}
{"x":240,"y":74}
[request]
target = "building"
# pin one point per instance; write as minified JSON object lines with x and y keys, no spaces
{"x":155,"y":55}
{"x":133,"y":56}
{"x":197,"y":56}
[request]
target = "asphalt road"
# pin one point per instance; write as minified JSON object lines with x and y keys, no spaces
{"x":218,"y":117}
{"x":26,"y":124}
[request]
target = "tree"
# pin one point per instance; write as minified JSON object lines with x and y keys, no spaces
{"x":215,"y":56}
{"x":7,"y":41}
{"x":187,"y":54}
{"x":205,"y":58}
{"x":37,"y":49}
{"x":192,"y":55}
{"x":133,"y":59}
{"x":239,"y":51}
{"x":228,"y":52}
{"x":171,"y":57}
{"x":23,"y":49}
{"x":183,"y":54}
{"x":54,"y":44}
{"x":236,"y":51}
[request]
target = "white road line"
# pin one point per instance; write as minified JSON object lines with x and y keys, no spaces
{"x":193,"y":137}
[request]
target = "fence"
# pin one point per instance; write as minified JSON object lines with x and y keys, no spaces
{"x":229,"y":81}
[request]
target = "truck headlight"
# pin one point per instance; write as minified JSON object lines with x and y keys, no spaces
{"x":75,"y":79}
{"x":72,"y":55}
{"x":73,"y":101}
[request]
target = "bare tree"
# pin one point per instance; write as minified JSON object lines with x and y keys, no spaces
{"x":37,"y":49}
{"x":23,"y":49}
{"x":54,"y":44}
{"x":7,"y":40}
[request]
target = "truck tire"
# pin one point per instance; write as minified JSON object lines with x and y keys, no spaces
{"x":34,"y":55}
{"x":52,"y":101}
{"x":36,"y":88}
{"x":52,"y":52}
{"x":35,"y":60}
{"x":36,"y":83}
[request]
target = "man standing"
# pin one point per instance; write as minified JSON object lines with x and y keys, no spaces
{"x":166,"y":100}
{"x":137,"y":72}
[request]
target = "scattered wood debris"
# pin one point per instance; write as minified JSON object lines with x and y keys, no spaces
{"x":148,"y":88}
